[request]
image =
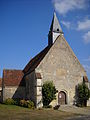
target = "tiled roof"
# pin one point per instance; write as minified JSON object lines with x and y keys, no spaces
{"x":0,"y":82}
{"x":13,"y":78}
{"x":34,"y":62}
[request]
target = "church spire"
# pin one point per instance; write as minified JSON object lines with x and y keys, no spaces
{"x":55,"y":30}
{"x":55,"y":26}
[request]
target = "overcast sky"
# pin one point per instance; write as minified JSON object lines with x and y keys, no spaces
{"x":24,"y":27}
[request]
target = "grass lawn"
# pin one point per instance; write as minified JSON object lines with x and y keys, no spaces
{"x":12,"y":112}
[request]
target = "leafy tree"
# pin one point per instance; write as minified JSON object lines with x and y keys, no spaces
{"x":83,"y":94}
{"x":48,"y":92}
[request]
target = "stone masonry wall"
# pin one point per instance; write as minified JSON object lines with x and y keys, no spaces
{"x":39,"y":103}
{"x":34,"y":88}
{"x":61,"y":66}
{"x":31,"y":86}
{"x":13,"y":92}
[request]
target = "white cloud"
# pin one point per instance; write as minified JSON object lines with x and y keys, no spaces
{"x":64,"y":6}
{"x":84,"y":25}
{"x":86,"y":37}
{"x":66,"y":24}
{"x":87,"y":59}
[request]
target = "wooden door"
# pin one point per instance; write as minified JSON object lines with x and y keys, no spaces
{"x":62,"y":98}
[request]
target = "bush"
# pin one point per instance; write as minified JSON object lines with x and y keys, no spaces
{"x":48,"y":92}
{"x":9,"y":101}
{"x":23,"y":103}
{"x":83,"y":94}
{"x":28,"y":104}
{"x":17,"y":101}
{"x":48,"y":106}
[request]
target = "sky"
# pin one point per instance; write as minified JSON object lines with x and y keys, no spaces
{"x":24,"y":27}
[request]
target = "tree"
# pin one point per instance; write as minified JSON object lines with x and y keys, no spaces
{"x":83,"y":94}
{"x":48,"y":93}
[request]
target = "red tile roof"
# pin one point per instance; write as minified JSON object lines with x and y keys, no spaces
{"x":0,"y":82}
{"x":13,"y":78}
{"x":34,"y":62}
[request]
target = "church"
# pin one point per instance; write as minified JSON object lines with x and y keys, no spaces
{"x":56,"y":62}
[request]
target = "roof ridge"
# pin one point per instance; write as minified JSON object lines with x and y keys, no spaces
{"x":32,"y":64}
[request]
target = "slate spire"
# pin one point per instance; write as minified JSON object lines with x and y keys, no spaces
{"x":55,"y":26}
{"x":55,"y":30}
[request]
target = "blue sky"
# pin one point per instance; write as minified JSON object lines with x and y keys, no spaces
{"x":24,"y":26}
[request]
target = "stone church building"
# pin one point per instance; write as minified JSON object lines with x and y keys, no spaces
{"x":56,"y":62}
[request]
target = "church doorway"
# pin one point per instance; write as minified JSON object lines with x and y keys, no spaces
{"x":61,"y":98}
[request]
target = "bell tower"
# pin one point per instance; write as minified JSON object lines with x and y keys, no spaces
{"x":55,"y":30}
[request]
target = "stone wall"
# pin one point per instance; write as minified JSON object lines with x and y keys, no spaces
{"x":39,"y":103}
{"x":61,"y":66}
{"x":88,"y":102}
{"x":31,"y":86}
{"x":13,"y":92}
{"x":34,"y":89}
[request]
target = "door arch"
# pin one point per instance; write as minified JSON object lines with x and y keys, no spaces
{"x":62,"y":98}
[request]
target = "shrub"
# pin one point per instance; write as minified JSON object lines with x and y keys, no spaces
{"x":48,"y":93}
{"x":27,"y":103}
{"x":83,"y":94}
{"x":17,"y":101}
{"x":48,"y":106}
{"x":30,"y":104}
{"x":23,"y":103}
{"x":9,"y":101}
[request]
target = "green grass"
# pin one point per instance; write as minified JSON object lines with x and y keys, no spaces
{"x":12,"y":112}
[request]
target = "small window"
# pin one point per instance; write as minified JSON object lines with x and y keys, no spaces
{"x":57,"y":29}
